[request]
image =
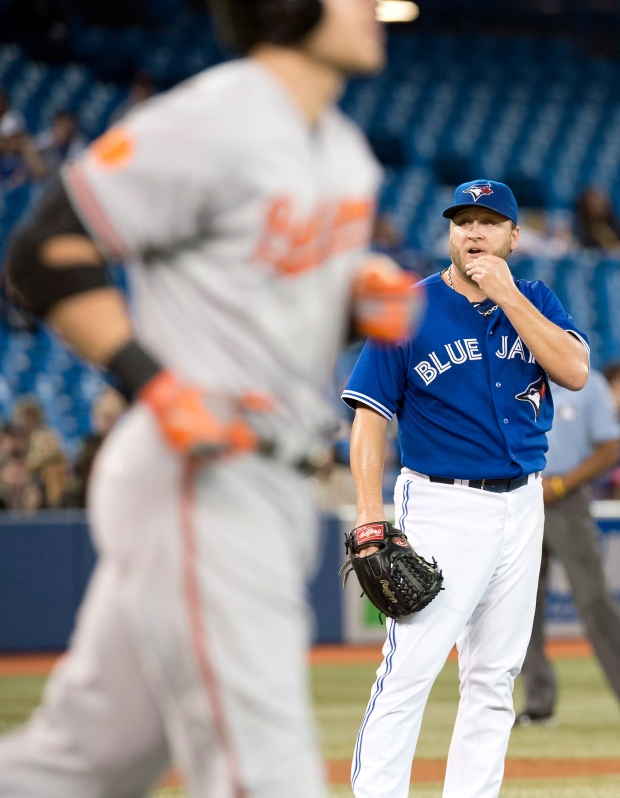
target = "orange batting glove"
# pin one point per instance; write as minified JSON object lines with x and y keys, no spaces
{"x":386,"y":305}
{"x":188,"y":423}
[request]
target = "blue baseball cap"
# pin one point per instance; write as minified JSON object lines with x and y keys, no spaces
{"x":488,"y":193}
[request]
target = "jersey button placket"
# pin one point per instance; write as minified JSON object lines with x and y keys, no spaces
{"x":494,"y":363}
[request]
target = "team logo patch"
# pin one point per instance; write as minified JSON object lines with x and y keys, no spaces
{"x":479,"y":190}
{"x":400,"y":542}
{"x":114,"y":149}
{"x":534,"y":394}
{"x":368,"y":533}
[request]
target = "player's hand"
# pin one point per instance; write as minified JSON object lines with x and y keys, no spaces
{"x":554,"y":488}
{"x":549,"y":495}
{"x":494,"y":277}
{"x":367,"y":551}
{"x":386,"y":305}
{"x":190,"y":425}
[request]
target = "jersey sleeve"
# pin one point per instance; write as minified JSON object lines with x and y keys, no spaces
{"x":552,"y":309}
{"x":378,"y":379}
{"x":145,"y":184}
{"x":602,"y":417}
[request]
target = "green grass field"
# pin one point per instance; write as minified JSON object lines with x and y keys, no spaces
{"x":567,"y":788}
{"x":588,"y":728}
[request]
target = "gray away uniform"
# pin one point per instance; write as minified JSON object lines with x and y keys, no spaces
{"x":243,"y":229}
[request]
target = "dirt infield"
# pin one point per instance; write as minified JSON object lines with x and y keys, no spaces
{"x":27,"y":664}
{"x":431,"y":770}
{"x":434,"y":770}
{"x":371,"y":655}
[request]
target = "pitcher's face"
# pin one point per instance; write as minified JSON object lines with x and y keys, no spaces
{"x":480,"y":231}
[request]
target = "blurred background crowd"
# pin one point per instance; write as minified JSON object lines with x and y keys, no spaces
{"x":36,"y":472}
{"x":528,"y":94}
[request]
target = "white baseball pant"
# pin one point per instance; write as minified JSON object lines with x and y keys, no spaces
{"x":191,"y":643}
{"x":489,"y":548}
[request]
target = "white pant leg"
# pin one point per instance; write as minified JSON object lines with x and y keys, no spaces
{"x":463,"y":529}
{"x":491,"y":651}
{"x":216,"y":593}
{"x":257,"y":530}
{"x":98,"y":733}
{"x":196,"y":623}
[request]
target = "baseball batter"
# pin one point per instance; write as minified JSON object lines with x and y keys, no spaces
{"x":471,"y":394}
{"x":241,"y":202}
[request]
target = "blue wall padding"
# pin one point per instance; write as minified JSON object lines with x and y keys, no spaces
{"x":326,"y":593}
{"x":46,"y":561}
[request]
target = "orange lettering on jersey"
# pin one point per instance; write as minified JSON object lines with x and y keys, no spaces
{"x":114,"y":149}
{"x":294,"y":244}
{"x":279,"y":215}
{"x":351,"y":225}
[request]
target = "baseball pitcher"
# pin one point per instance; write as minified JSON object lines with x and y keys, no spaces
{"x":472,"y":397}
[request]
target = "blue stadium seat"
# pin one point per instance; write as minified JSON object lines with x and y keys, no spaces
{"x":17,"y":202}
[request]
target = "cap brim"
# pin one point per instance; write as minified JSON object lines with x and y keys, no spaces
{"x":449,"y":212}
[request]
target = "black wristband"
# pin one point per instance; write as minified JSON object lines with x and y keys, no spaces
{"x":133,"y":368}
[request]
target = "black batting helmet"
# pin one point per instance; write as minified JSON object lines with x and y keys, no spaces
{"x":243,"y":24}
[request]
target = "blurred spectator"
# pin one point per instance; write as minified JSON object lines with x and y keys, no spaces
{"x":56,"y":482}
{"x":49,"y":464}
{"x":14,"y":480}
{"x":44,"y":443}
{"x":597,"y":226}
{"x":29,"y":417}
{"x":141,"y":89}
{"x":107,"y":410}
{"x":32,"y":497}
{"x":60,"y":142}
{"x":13,"y":442}
{"x":19,"y":159}
{"x":39,"y":474}
{"x":28,"y":414}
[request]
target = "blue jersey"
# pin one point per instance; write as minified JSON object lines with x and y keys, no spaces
{"x":471,"y":401}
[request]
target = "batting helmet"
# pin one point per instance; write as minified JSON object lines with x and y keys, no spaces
{"x":243,"y":24}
